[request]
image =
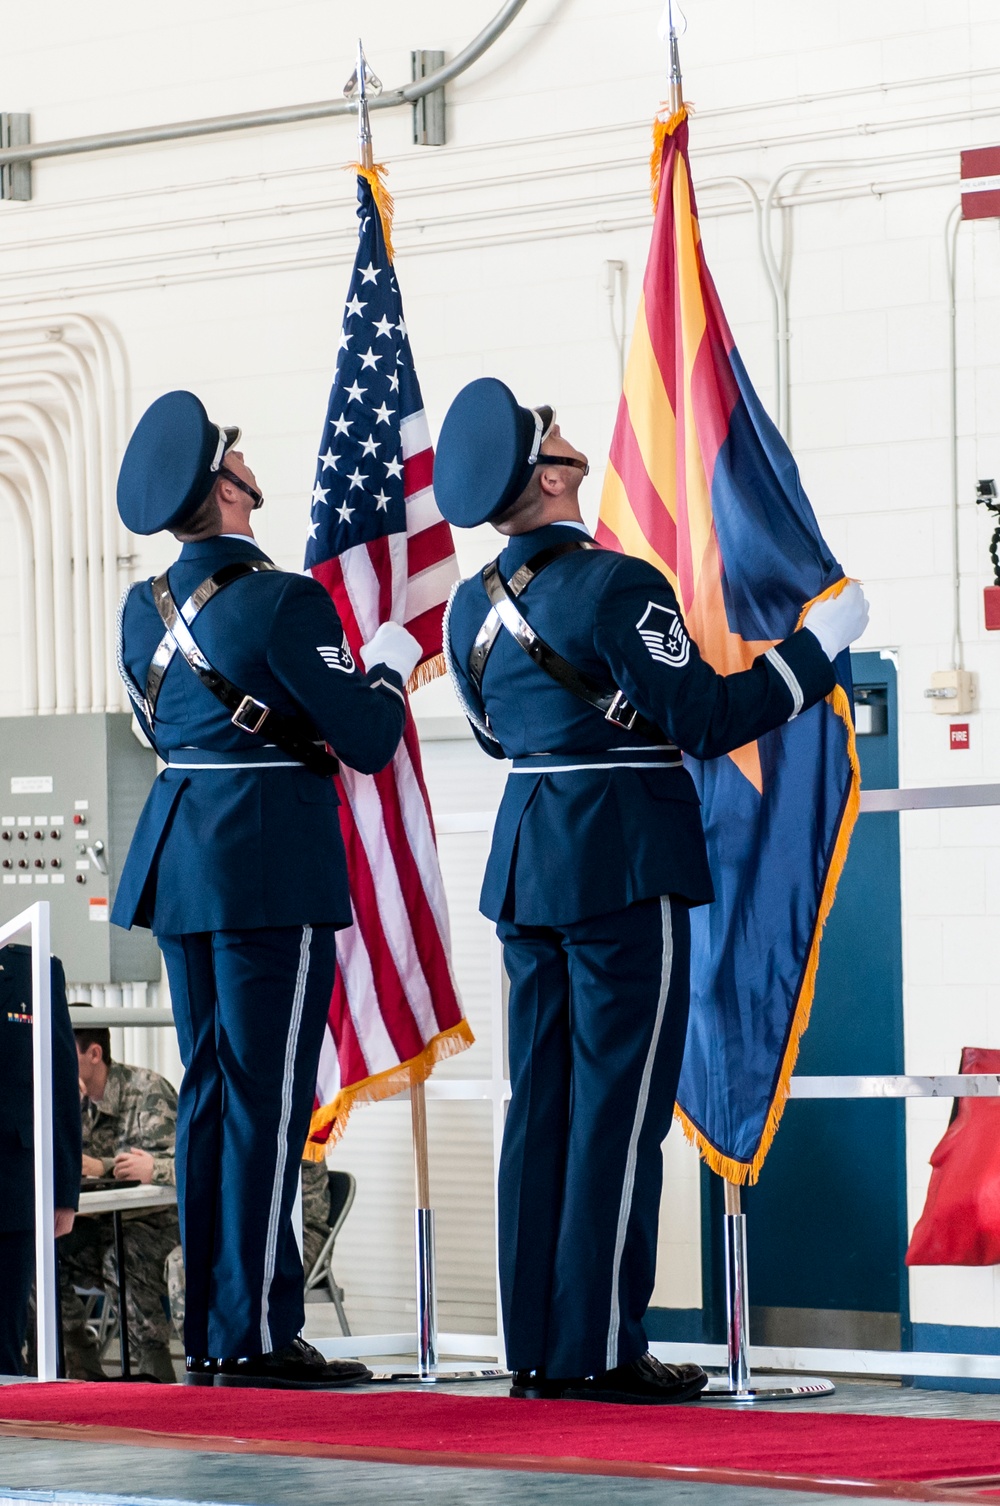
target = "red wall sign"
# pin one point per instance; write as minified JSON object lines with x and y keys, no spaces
{"x":959,"y":735}
{"x":981,"y":183}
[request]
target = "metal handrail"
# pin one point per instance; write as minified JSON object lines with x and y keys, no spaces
{"x":322,"y":110}
{"x":37,"y":919}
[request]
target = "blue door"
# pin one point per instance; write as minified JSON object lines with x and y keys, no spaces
{"x":826,"y":1224}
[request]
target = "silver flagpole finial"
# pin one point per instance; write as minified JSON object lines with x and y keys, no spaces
{"x":361,"y":84}
{"x":669,"y":32}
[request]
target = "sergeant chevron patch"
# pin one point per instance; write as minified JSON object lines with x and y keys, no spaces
{"x":664,"y":635}
{"x":337,"y":657}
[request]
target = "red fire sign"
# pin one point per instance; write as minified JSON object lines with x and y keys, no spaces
{"x":959,"y":734}
{"x":981,"y":183}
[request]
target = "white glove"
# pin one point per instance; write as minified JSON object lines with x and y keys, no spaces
{"x":393,"y":646}
{"x":837,"y":620}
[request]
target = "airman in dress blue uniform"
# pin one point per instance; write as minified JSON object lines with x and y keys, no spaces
{"x":574,"y":662}
{"x":243,"y":680}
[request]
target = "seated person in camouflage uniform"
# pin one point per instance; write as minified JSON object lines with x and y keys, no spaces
{"x":129,"y":1123}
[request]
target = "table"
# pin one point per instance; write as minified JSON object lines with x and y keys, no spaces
{"x":117,"y":1201}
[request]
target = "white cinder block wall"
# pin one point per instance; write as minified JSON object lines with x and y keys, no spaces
{"x":223,"y":263}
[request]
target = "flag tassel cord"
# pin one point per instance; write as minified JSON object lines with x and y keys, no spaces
{"x":745,"y":1173}
{"x":330,"y":1121}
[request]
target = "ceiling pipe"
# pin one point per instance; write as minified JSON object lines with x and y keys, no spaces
{"x":322,"y":110}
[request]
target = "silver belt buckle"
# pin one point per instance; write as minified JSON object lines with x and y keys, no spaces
{"x":244,"y":710}
{"x":619,"y":717}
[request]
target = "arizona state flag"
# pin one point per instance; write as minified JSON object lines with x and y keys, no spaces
{"x":702,"y":485}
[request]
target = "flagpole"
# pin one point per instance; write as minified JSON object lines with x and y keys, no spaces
{"x":737,"y":1385}
{"x":675,"y":94}
{"x":362,"y":85}
{"x":363,"y":76}
{"x":358,"y":87}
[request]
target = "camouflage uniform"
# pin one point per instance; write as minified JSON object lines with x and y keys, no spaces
{"x":139,"y":1108}
{"x":315,"y":1208}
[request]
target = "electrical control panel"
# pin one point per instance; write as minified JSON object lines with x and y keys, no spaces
{"x":71,"y":789}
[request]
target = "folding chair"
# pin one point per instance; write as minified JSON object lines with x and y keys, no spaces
{"x":342,"y":1189}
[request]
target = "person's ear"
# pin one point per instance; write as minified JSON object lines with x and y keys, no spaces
{"x":552,"y":481}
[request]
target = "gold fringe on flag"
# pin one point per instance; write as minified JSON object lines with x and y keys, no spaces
{"x":747,"y":1172}
{"x":431,"y":669}
{"x":383,"y":1085}
{"x":375,"y":177}
{"x":661,"y":130}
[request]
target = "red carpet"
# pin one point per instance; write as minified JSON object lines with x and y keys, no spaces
{"x":493,"y":1432}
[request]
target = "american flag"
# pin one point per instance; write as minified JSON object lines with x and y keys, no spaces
{"x":381,"y":548}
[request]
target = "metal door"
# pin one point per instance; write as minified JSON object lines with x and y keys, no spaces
{"x":827,"y":1221}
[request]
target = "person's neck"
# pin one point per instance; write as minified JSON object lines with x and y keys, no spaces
{"x":240,"y":530}
{"x":98,"y":1083}
{"x":535,"y":517}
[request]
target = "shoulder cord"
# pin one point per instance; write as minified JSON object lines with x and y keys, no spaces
{"x":135,"y":694}
{"x":449,"y":657}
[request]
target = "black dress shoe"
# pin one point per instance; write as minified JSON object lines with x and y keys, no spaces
{"x":532,"y":1385}
{"x":643,"y":1382}
{"x":199,"y":1371}
{"x":297,"y":1367}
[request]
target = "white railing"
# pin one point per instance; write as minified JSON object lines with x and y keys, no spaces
{"x":36,"y":919}
{"x":496,"y":1090}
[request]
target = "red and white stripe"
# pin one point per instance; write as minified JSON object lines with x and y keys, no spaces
{"x":394,"y":990}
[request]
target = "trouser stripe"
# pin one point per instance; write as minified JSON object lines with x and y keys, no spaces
{"x":628,"y":1186}
{"x":287,"y":1085}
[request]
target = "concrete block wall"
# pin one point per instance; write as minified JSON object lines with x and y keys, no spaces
{"x":223,"y":263}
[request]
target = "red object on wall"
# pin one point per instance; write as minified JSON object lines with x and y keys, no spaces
{"x":991,"y":601}
{"x":960,"y":1224}
{"x":981,"y":183}
{"x":959,"y":735}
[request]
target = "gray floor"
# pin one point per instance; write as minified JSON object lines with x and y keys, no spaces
{"x":93,"y":1474}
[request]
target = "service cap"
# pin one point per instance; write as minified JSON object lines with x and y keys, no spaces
{"x":486,"y":453}
{"x":171,"y":463}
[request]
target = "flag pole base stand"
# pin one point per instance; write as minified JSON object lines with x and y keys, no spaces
{"x":737,"y":1387}
{"x":765,"y":1388}
{"x":442,"y":1376}
{"x":429,"y":1369}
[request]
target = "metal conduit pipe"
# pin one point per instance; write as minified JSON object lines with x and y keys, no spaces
{"x":26,"y":563}
{"x":115,"y":543}
{"x":111,"y":408}
{"x":78,"y":516}
{"x":774,"y":272}
{"x":41,"y":527}
{"x":45,"y":350}
{"x":952,"y":226}
{"x":57,"y":479}
{"x":219,"y":124}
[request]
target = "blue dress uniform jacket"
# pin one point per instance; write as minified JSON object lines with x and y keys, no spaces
{"x":17,"y":1206}
{"x":612,"y":834}
{"x":598,"y":853}
{"x":221,"y":848}
{"x":238,"y":866}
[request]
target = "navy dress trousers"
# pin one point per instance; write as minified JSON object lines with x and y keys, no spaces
{"x":237,"y":864}
{"x":597,"y":855}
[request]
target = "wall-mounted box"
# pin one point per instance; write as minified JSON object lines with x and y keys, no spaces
{"x":951,"y":691}
{"x":71,"y":789}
